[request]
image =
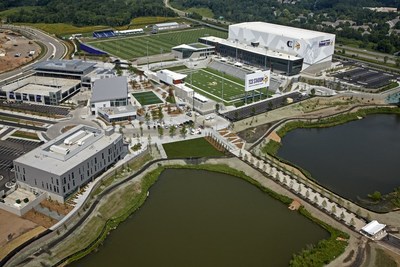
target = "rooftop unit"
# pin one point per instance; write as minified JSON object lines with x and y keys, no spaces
{"x":75,"y":137}
{"x":59,"y":150}
{"x":82,"y":140}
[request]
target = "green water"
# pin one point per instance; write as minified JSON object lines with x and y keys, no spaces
{"x":201,"y":218}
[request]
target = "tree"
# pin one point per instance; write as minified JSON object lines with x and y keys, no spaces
{"x":172,"y":131}
{"x":160,"y":113}
{"x":324,"y":203}
{"x":333,"y":209}
{"x":183,"y":131}
{"x":352,"y":222}
{"x":141,"y":130}
{"x":147,"y":118}
{"x":217,"y":106}
{"x":376,"y":196}
{"x":312,"y":91}
{"x":160,"y":131}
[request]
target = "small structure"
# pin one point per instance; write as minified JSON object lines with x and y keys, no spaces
{"x":167,"y":26}
{"x":170,"y":78}
{"x":195,"y":50}
{"x":374,"y":230}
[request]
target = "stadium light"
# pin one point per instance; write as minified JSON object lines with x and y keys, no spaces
{"x":147,"y":46}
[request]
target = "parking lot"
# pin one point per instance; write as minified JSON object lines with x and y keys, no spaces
{"x":11,"y":149}
{"x":46,"y":109}
{"x":368,"y":78}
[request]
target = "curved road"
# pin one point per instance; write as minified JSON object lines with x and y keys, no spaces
{"x":54,"y":49}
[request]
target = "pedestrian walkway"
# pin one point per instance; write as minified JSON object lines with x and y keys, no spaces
{"x":304,"y":191}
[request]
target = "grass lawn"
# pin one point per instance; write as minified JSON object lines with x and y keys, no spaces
{"x":147,"y":98}
{"x":199,"y":147}
{"x":136,"y":46}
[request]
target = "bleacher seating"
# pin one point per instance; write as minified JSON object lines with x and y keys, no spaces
{"x":104,"y":34}
{"x":229,"y":69}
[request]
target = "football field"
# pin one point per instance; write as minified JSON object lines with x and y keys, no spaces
{"x":215,"y":85}
{"x":137,"y":46}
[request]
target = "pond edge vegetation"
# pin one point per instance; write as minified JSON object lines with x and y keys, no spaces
{"x":271,"y":147}
{"x":320,"y":254}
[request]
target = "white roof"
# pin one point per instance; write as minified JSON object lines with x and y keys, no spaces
{"x":280,"y":30}
{"x":373,"y":227}
{"x":130,"y":31}
{"x":173,"y":75}
{"x":167,"y":24}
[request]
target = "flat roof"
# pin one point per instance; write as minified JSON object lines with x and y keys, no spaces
{"x":167,"y":24}
{"x":109,"y":89}
{"x":40,"y":85}
{"x":258,"y":50}
{"x":64,"y":65}
{"x":373,"y":227}
{"x":116,"y":112}
{"x":282,"y":30}
{"x":194,"y":46}
{"x":172,"y":74}
{"x":46,"y":159}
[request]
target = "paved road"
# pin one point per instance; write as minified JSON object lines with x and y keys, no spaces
{"x":183,"y":14}
{"x":55,"y":49}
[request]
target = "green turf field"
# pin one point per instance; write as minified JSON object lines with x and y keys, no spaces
{"x":147,"y":98}
{"x":209,"y":82}
{"x":136,"y":46}
{"x":198,"y":147}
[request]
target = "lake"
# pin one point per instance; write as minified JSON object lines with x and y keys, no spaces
{"x":352,"y":159}
{"x":201,"y":218}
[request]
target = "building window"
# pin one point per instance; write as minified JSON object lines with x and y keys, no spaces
{"x":64,"y":189}
{"x":57,"y":182}
{"x":68,"y":186}
{"x":73,"y":183}
{"x":65,"y":180}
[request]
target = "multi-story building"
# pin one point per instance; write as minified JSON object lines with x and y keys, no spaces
{"x":66,"y":163}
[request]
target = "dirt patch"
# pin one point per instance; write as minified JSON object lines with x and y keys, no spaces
{"x":14,"y":50}
{"x":274,"y":136}
{"x":61,"y":208}
{"x":253,"y":134}
{"x":39,"y":218}
{"x":12,"y":226}
{"x":7,"y":248}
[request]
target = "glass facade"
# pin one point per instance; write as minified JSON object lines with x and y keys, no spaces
{"x":288,"y":67}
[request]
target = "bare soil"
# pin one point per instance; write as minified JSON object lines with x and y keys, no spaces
{"x":39,"y":218}
{"x":12,"y":226}
{"x":61,"y":208}
{"x":13,"y":43}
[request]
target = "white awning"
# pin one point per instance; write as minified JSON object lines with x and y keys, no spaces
{"x":373,"y":228}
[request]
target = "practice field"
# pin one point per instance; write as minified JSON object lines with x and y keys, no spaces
{"x":147,"y":98}
{"x":215,"y":85}
{"x":136,"y":46}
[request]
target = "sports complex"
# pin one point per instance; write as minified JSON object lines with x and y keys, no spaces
{"x":129,"y":47}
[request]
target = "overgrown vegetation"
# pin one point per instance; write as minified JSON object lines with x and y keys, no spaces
{"x":325,"y":251}
{"x":383,"y":259}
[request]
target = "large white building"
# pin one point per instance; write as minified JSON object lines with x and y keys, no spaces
{"x":69,"y":161}
{"x":281,"y":48}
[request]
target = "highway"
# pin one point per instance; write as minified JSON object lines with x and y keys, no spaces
{"x":54,"y":49}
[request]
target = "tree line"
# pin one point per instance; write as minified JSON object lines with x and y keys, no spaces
{"x":83,"y":12}
{"x":310,"y":14}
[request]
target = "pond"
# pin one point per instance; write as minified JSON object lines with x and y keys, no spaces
{"x":201,"y":218}
{"x":353,"y":159}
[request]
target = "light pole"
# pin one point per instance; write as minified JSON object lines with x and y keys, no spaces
{"x":147,"y":49}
